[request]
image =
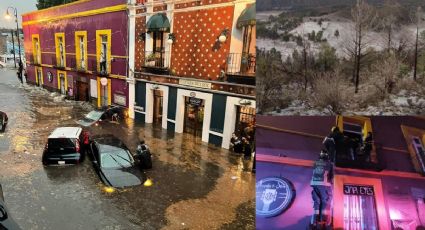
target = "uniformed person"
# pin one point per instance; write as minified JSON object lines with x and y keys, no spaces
{"x":321,"y":182}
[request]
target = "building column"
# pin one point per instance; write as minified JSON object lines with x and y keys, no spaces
{"x":131,"y":56}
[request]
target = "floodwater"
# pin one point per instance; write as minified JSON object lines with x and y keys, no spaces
{"x":194,"y":185}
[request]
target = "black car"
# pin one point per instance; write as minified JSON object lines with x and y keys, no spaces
{"x":63,"y":147}
{"x":111,"y":113}
{"x":6,"y":221}
{"x":3,"y":121}
{"x":114,"y":162}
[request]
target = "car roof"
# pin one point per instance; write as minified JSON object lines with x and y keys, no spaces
{"x":66,"y":132}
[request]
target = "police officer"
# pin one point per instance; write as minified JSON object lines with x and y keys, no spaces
{"x":321,"y":182}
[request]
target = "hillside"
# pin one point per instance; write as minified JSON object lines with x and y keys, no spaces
{"x":297,"y":5}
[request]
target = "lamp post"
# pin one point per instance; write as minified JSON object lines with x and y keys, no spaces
{"x":15,"y":13}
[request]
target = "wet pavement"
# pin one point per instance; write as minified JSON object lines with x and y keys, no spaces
{"x":195,"y":185}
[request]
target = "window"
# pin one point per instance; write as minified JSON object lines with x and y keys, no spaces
{"x":60,"y":49}
{"x":39,"y":76}
{"x":81,"y":49}
{"x":158,"y":41}
{"x":355,"y":148}
{"x":358,"y":203}
{"x":359,"y":207}
{"x":103,"y":51}
{"x":415,"y":143}
{"x":420,"y":152}
{"x":36,"y":48}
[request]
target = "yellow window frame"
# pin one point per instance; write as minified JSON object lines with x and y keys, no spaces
{"x":409,"y":133}
{"x":36,"y":75}
{"x":35,"y":54}
{"x":100,"y":33}
{"x":58,"y":55}
{"x":366,"y":124}
{"x":99,"y":86}
{"x":79,"y":34}
{"x":65,"y":79}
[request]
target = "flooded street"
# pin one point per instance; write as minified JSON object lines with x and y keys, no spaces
{"x":195,"y":185}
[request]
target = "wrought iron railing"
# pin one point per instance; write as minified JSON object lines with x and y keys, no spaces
{"x":157,"y":59}
{"x":241,"y":64}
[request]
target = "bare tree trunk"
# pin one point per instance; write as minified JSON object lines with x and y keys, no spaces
{"x":358,"y":57}
{"x":305,"y":69}
{"x":416,"y":53}
{"x":389,"y":37}
{"x":355,"y":59}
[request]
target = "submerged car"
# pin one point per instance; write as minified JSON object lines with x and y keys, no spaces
{"x":3,"y":121}
{"x":63,"y":147}
{"x":114,"y":162}
{"x":99,"y":115}
{"x":6,"y":221}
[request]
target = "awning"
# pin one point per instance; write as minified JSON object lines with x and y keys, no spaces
{"x":247,"y":17}
{"x":158,"y":22}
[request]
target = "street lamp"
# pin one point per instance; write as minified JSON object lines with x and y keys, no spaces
{"x":8,"y":16}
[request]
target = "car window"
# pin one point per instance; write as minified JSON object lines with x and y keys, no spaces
{"x":118,"y":159}
{"x":94,"y":115}
{"x":57,"y":143}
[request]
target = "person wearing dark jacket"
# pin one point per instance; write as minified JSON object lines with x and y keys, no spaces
{"x":321,"y":182}
{"x":236,"y":144}
{"x":246,"y":148}
{"x":3,"y":121}
{"x":20,"y":70}
{"x":144,"y":155}
{"x":367,"y":146}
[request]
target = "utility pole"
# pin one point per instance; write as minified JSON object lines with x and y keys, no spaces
{"x":13,"y":45}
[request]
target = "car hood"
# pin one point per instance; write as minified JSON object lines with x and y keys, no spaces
{"x":124,"y":177}
{"x":86,"y":122}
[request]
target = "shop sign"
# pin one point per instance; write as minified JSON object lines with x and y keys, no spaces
{"x":359,"y":190}
{"x":273,"y":196}
{"x":119,"y":99}
{"x":195,"y":101}
{"x":197,"y":84}
{"x":244,"y":102}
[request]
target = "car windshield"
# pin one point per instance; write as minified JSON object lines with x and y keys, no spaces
{"x":94,"y":115}
{"x":118,"y":159}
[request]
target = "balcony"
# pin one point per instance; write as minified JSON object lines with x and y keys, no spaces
{"x":93,"y":64}
{"x":353,"y":153}
{"x":56,"y":65}
{"x":157,"y":62}
{"x":73,"y":66}
{"x":240,"y":68}
{"x":35,"y":61}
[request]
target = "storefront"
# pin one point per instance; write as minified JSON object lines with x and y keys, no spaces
{"x":387,"y":194}
{"x":185,"y":109}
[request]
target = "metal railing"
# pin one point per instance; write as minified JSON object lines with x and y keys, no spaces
{"x":241,"y":64}
{"x":157,"y":59}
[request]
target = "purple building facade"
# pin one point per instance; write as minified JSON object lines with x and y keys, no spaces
{"x":80,"y":50}
{"x":384,"y":191}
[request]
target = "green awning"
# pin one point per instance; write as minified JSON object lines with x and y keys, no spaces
{"x":158,"y":22}
{"x":247,"y":17}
